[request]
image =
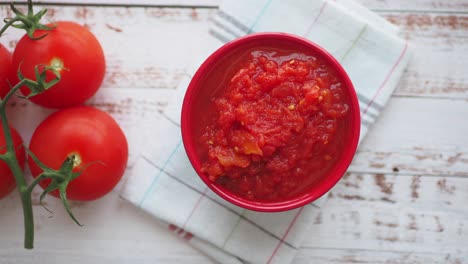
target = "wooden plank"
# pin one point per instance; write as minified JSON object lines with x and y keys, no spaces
{"x":425,"y":214}
{"x":366,"y":211}
{"x":440,"y":54}
{"x":392,"y":212}
{"x":114,"y":232}
{"x":131,"y":108}
{"x":369,"y":218}
{"x":175,"y":3}
{"x":417,"y":5}
{"x":156,"y":64}
{"x":345,"y":256}
{"x":417,"y":136}
{"x":416,"y":144}
{"x":438,"y":68}
{"x":134,"y":109}
{"x":378,"y":5}
{"x":144,"y":47}
{"x":427,"y":136}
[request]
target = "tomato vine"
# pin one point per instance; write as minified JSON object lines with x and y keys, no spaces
{"x":59,"y":178}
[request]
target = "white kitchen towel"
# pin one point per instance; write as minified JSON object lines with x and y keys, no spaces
{"x":163,"y":182}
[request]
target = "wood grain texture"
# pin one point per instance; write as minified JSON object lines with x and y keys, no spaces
{"x":377,"y":218}
{"x":114,"y":231}
{"x":440,"y":47}
{"x":415,"y":6}
{"x":395,"y":213}
{"x":438,"y":68}
{"x":402,"y":214}
{"x":144,"y":47}
{"x":171,"y":3}
{"x":340,"y":256}
{"x":377,"y":5}
{"x":404,"y":200}
{"x":369,"y":218}
{"x":417,"y":136}
{"x":415,"y":144}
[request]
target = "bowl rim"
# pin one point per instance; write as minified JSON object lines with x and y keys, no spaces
{"x":319,"y":189}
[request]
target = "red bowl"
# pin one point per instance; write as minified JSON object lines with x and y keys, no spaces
{"x":199,"y":94}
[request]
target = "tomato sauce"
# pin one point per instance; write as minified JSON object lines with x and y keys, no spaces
{"x":275,"y":125}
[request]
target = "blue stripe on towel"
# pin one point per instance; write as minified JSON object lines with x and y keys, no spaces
{"x":259,"y":16}
{"x":161,"y":171}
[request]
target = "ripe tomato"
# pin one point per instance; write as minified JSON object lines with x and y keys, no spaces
{"x":94,"y":138}
{"x":75,"y":51}
{"x":7,"y":181}
{"x":5,"y":70}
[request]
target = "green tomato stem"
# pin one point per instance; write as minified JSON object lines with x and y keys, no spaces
{"x":10,"y":158}
{"x":28,"y":220}
{"x":7,"y":25}
{"x":35,"y":182}
{"x":29,"y":22}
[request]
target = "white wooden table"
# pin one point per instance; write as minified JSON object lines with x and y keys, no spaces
{"x":405,"y":199}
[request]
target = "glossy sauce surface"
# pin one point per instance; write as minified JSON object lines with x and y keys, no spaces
{"x":274,"y":125}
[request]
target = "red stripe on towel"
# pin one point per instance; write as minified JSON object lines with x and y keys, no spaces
{"x":293,"y":221}
{"x":195,"y":207}
{"x":316,"y":18}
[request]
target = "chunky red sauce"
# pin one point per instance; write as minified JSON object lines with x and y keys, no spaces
{"x":275,"y":128}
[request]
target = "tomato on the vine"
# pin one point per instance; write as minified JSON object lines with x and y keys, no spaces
{"x":7,"y":181}
{"x":96,"y":140}
{"x":75,"y":52}
{"x":5,"y":70}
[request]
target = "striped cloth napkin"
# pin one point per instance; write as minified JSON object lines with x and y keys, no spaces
{"x":163,"y":182}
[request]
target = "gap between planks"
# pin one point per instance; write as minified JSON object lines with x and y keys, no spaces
{"x":210,"y":5}
{"x":369,"y":250}
{"x":404,"y":174}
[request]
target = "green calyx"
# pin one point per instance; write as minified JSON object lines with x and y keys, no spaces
{"x":29,"y":21}
{"x":60,"y":180}
{"x":40,"y":84}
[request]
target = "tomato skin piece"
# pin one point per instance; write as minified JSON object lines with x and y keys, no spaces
{"x":91,"y":134}
{"x":7,"y":181}
{"x":6,"y":70}
{"x":77,"y":49}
